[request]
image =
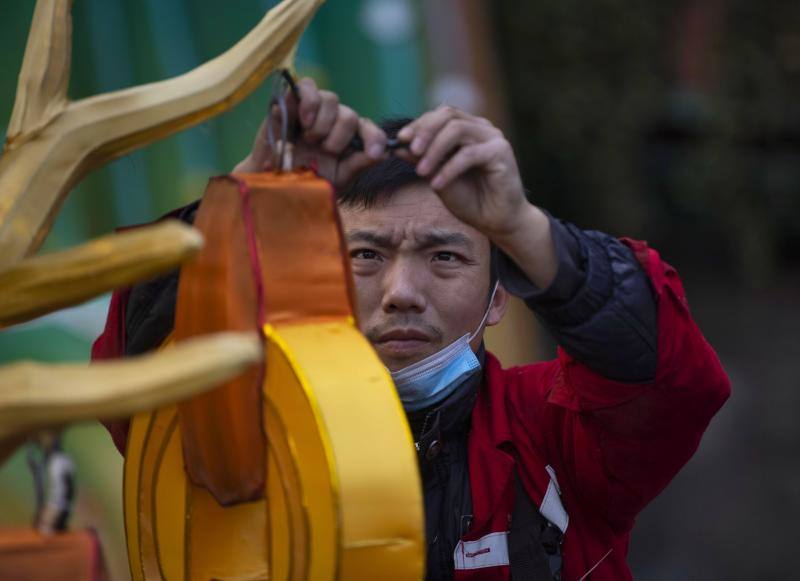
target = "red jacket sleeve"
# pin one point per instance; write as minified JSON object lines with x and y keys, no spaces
{"x":109,"y":345}
{"x":111,"y":342}
{"x":628,"y":440}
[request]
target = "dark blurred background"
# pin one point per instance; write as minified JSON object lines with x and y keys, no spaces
{"x":676,"y":122}
{"x":679,"y":122}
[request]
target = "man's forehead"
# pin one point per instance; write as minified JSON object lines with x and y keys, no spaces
{"x":412,"y":213}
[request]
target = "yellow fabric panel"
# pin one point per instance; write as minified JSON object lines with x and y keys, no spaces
{"x":343,"y":497}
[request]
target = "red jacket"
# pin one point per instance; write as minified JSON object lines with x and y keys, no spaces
{"x":591,"y":452}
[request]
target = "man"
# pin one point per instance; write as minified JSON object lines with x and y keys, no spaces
{"x":536,"y":472}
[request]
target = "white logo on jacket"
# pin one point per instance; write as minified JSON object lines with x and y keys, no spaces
{"x":492,"y":550}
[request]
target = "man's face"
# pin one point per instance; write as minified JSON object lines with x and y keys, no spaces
{"x":421,"y":275}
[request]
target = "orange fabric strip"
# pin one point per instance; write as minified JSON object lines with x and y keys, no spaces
{"x":289,"y":220}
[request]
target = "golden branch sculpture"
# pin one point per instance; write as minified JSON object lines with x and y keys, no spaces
{"x":51,"y":144}
{"x":33,"y":396}
{"x":27,"y":288}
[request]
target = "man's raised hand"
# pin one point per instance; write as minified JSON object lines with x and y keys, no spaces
{"x":327,"y":127}
{"x":471,"y":165}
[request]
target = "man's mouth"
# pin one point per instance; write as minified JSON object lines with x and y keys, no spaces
{"x":402,"y":342}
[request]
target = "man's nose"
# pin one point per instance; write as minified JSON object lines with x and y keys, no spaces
{"x":402,"y":289}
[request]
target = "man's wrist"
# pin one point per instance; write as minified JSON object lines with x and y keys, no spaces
{"x":505,"y":231}
{"x":529,"y":243}
{"x":527,"y":219}
{"x":569,"y":278}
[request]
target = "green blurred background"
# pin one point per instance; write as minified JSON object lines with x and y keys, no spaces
{"x":676,"y":122}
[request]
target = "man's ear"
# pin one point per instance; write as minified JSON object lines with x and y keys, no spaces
{"x":498,"y":307}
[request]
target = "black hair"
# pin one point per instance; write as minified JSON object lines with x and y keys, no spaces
{"x":382,"y":180}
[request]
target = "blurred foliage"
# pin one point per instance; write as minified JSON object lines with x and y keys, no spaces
{"x":611,"y":134}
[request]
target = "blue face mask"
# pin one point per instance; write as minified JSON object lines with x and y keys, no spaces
{"x":429,"y":381}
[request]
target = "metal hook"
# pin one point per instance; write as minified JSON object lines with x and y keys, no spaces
{"x":279,"y":148}
{"x":282,"y":149}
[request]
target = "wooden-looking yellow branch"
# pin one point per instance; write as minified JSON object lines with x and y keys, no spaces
{"x":44,"y":76}
{"x":35,"y":395}
{"x":48,"y":282}
{"x":37,"y":171}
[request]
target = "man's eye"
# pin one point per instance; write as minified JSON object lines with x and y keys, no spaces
{"x":364,"y":254}
{"x":445,"y":257}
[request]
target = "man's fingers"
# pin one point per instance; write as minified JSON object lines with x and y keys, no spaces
{"x":325,"y":119}
{"x":310,"y":101}
{"x":465,"y":159}
{"x":327,"y":129}
{"x":374,"y":150}
{"x":404,"y":154}
{"x":421,"y":132}
{"x":456,"y":133}
{"x":344,"y":129}
{"x":373,"y":137}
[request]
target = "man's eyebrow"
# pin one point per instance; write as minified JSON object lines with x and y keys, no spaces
{"x":430,"y":239}
{"x":370,"y":236}
{"x":444,"y":238}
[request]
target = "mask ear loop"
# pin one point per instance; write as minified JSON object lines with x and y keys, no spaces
{"x":486,"y":314}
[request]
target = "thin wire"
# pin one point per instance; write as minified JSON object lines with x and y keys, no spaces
{"x":603,"y":558}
